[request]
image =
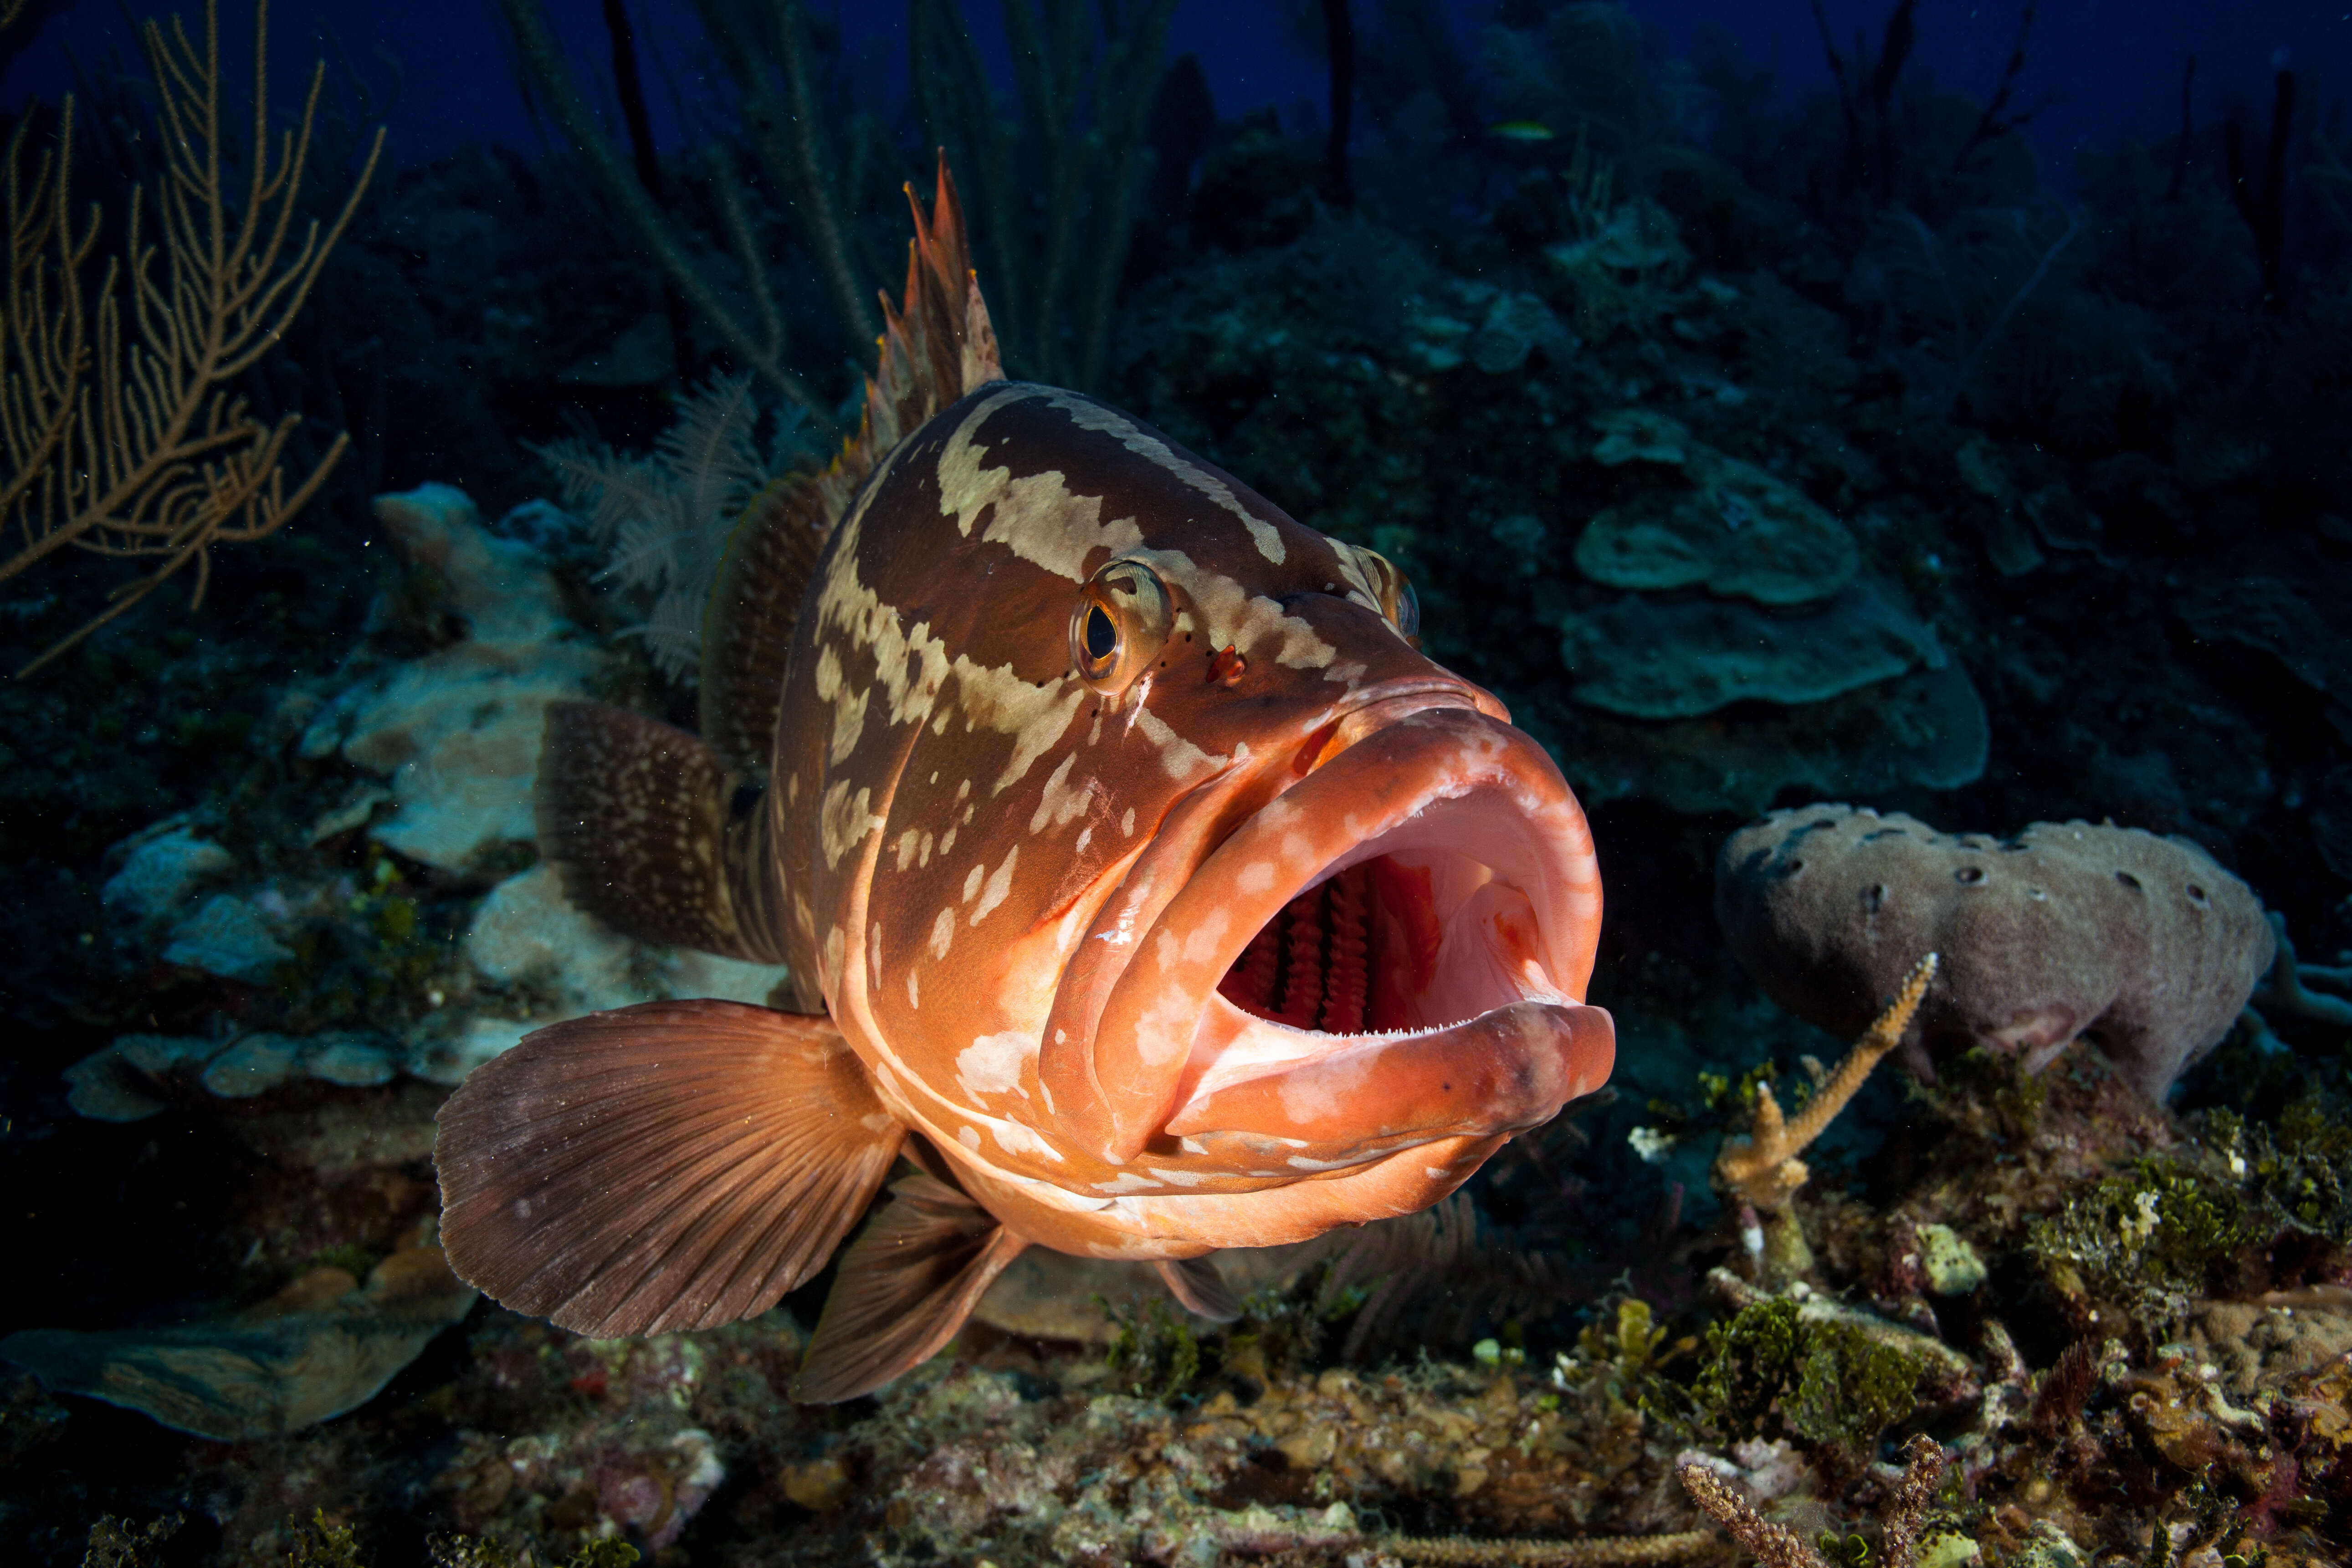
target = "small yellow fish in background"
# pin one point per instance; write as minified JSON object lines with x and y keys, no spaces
{"x":1140,"y":880}
{"x":1521,"y":130}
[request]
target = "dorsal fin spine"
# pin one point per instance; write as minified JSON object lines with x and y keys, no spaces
{"x":937,"y":344}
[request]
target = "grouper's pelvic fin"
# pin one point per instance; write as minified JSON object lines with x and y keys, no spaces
{"x":654,"y":836}
{"x":905,"y":1286}
{"x":938,"y":345}
{"x":671,"y":1165}
{"x":1199,"y":1288}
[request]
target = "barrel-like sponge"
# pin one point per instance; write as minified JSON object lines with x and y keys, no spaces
{"x":2143,"y":945}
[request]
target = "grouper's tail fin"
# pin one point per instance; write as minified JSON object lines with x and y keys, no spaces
{"x":937,"y":346}
{"x":652,"y":836}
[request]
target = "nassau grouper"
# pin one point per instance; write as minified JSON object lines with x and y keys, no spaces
{"x":1141,"y":884}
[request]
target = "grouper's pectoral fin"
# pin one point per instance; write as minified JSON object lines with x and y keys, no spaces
{"x":1200,"y":1289}
{"x":906,"y":1286}
{"x":671,"y":1165}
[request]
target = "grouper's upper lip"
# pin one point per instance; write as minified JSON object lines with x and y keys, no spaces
{"x":1444,"y":776}
{"x":1191,"y":831}
{"x":1190,"y":836}
{"x":1428,"y":767}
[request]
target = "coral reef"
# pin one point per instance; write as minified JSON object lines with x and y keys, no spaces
{"x":1738,"y":532}
{"x":1756,"y":450}
{"x":439,"y":952}
{"x":457,"y":732}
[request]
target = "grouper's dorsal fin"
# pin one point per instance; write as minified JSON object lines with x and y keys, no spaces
{"x":937,"y":345}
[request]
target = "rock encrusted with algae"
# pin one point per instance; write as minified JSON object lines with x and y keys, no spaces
{"x":2063,"y":930}
{"x":457,"y":732}
{"x":1805,"y":1366}
{"x":1109,"y":1479}
{"x":2259,"y":1215}
{"x":323,"y":1345}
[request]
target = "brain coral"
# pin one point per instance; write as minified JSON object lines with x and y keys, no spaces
{"x":2144,"y":944}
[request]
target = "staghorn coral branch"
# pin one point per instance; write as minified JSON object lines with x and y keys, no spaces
{"x":1763,"y":1169}
{"x":1883,"y":1035}
{"x":1587,"y":1552}
{"x":1906,"y":1510}
{"x":1773,"y":1545}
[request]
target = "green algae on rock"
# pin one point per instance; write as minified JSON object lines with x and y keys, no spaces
{"x":1821,"y":1373}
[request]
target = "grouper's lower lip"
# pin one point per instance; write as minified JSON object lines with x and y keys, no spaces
{"x":1393,"y":950}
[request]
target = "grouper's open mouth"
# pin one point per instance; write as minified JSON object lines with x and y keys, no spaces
{"x":1393,"y":950}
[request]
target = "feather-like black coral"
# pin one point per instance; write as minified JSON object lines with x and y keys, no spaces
{"x":667,"y":517}
{"x":1439,"y":1271}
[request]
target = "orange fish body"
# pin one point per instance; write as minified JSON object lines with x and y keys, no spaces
{"x":1152,"y":878}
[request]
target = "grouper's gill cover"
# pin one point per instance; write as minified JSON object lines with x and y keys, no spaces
{"x":1146,"y":872}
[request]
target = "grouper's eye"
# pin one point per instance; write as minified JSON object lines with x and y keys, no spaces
{"x":1119,"y":626}
{"x":1398,"y":602}
{"x":1405,"y":610}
